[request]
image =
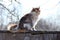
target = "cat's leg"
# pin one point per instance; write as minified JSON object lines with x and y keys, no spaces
{"x":34,"y":26}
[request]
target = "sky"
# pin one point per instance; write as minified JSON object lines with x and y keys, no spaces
{"x":49,"y":8}
{"x":46,"y":6}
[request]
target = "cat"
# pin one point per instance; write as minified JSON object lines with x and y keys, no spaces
{"x":27,"y":22}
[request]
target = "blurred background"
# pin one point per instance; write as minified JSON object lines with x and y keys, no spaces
{"x":11,"y":11}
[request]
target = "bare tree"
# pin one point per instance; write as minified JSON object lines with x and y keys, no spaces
{"x":11,"y":14}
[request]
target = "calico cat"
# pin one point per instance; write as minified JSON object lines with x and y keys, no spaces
{"x":27,"y":21}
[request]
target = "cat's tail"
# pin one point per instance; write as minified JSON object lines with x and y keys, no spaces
{"x":12,"y":27}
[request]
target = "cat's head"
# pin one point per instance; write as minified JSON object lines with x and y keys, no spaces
{"x":37,"y":10}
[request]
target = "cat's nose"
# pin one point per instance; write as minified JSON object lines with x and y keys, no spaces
{"x":36,"y":10}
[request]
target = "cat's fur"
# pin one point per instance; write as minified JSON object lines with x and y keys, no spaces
{"x":27,"y":21}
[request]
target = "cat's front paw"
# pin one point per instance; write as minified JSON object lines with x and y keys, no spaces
{"x":32,"y":29}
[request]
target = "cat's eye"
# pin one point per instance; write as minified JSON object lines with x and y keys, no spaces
{"x":33,"y":9}
{"x":37,"y":9}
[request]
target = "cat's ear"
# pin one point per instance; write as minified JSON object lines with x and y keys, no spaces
{"x":33,"y":8}
{"x":39,"y":7}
